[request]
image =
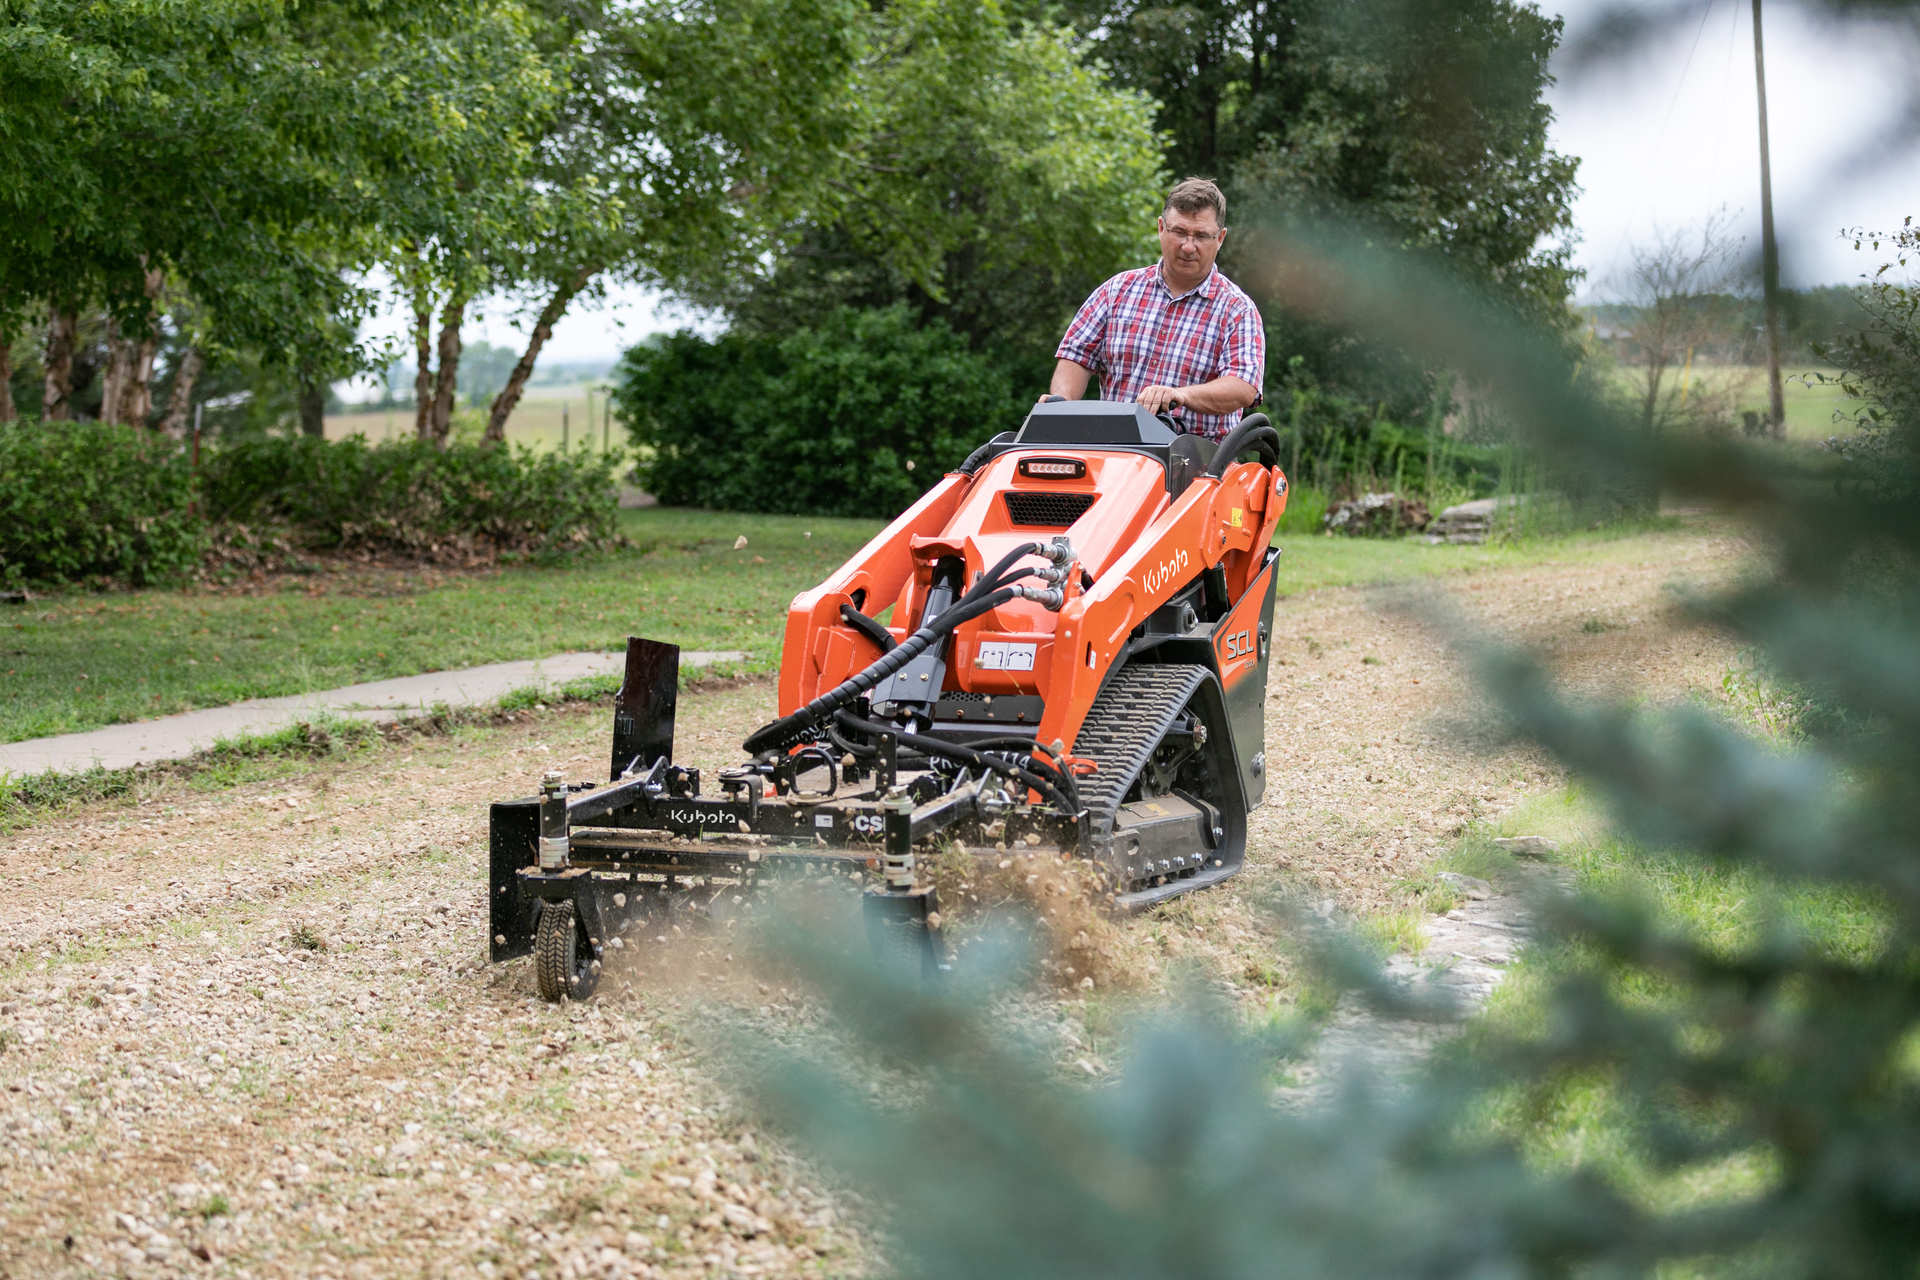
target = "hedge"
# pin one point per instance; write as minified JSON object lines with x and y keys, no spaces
{"x":84,"y":500}
{"x":407,"y":495}
{"x":857,"y":417}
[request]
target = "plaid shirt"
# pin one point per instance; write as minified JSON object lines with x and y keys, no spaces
{"x":1135,"y":334}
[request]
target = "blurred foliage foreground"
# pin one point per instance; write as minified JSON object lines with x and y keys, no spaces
{"x":90,"y":501}
{"x":1775,"y":1052}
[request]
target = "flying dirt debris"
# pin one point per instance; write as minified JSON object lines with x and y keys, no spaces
{"x":1075,"y":661}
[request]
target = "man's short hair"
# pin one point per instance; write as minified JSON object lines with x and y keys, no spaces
{"x":1191,"y":195}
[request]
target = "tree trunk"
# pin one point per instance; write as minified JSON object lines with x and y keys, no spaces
{"x":446,"y":382}
{"x":313,"y":407}
{"x":136,"y":395}
{"x":62,"y":325}
{"x":180,"y":403}
{"x":1650,"y":403}
{"x":423,"y":365}
{"x":509,"y":396}
{"x":128,"y":391}
{"x":118,"y":355}
{"x":136,"y":388}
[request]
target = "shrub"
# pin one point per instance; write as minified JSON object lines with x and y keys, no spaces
{"x":85,"y":500}
{"x":409,"y":496}
{"x":857,"y":417}
{"x":1879,"y":367}
{"x":1306,"y":511}
{"x":1348,"y":447}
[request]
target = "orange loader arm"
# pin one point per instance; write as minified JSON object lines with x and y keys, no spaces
{"x":876,"y":572}
{"x":1228,"y":521}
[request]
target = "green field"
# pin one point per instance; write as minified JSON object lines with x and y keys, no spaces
{"x":1812,"y":407}
{"x":540,"y":418}
{"x":77,"y":661}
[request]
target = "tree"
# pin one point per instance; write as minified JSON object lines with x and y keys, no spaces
{"x":689,"y":133}
{"x":1422,"y":119}
{"x":996,"y":179}
{"x":1679,"y":296}
{"x":250,"y":152}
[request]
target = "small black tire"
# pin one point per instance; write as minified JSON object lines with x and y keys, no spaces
{"x":563,"y":964}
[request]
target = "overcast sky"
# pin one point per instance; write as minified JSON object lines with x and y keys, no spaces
{"x":1669,"y":136}
{"x":1665,"y":138}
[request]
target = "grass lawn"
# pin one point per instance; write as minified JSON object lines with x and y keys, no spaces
{"x":1309,"y":562}
{"x":1583,"y":1122}
{"x":77,"y":661}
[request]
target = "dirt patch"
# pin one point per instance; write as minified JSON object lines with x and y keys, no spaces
{"x":254,"y":1027}
{"x":1375,"y":759}
{"x":365,"y":574}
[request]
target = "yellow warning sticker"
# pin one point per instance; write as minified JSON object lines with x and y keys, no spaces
{"x":1235,"y":521}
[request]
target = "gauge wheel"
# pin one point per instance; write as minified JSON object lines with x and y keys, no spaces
{"x":563,"y":963}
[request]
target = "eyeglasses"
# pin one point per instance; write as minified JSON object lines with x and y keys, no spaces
{"x":1202,"y":238}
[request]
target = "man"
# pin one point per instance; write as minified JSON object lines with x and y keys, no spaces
{"x":1178,"y":337}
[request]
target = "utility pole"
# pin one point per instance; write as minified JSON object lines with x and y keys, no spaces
{"x":1769,"y":247}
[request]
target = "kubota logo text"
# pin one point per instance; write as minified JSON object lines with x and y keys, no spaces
{"x":1161,"y":575}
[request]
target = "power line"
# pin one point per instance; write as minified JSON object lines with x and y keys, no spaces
{"x":1661,"y":138}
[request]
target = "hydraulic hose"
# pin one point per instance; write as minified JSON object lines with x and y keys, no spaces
{"x":1254,"y":432}
{"x":986,"y":594}
{"x":1034,"y":751}
{"x":868,"y":627}
{"x":858,"y":750}
{"x":1060,"y":778}
{"x":965,"y":755}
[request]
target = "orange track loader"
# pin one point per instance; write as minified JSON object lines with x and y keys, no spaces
{"x":1061,"y":647}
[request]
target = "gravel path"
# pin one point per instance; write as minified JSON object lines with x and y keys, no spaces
{"x":248,"y":1032}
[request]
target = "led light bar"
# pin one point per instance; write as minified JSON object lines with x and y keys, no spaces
{"x":1052,"y":468}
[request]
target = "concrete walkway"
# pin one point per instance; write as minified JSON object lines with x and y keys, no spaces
{"x":122,"y":746}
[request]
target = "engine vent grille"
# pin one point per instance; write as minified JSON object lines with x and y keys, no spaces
{"x":1046,"y":510}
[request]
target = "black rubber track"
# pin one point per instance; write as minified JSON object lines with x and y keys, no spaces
{"x":1124,"y":725}
{"x":562,"y":961}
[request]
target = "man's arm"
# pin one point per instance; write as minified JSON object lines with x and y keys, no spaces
{"x":1224,"y":394}
{"x":1080,"y":346}
{"x":1070,"y":380}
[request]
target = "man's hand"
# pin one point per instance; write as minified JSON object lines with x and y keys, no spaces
{"x":1161,"y":399}
{"x":1224,"y":394}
